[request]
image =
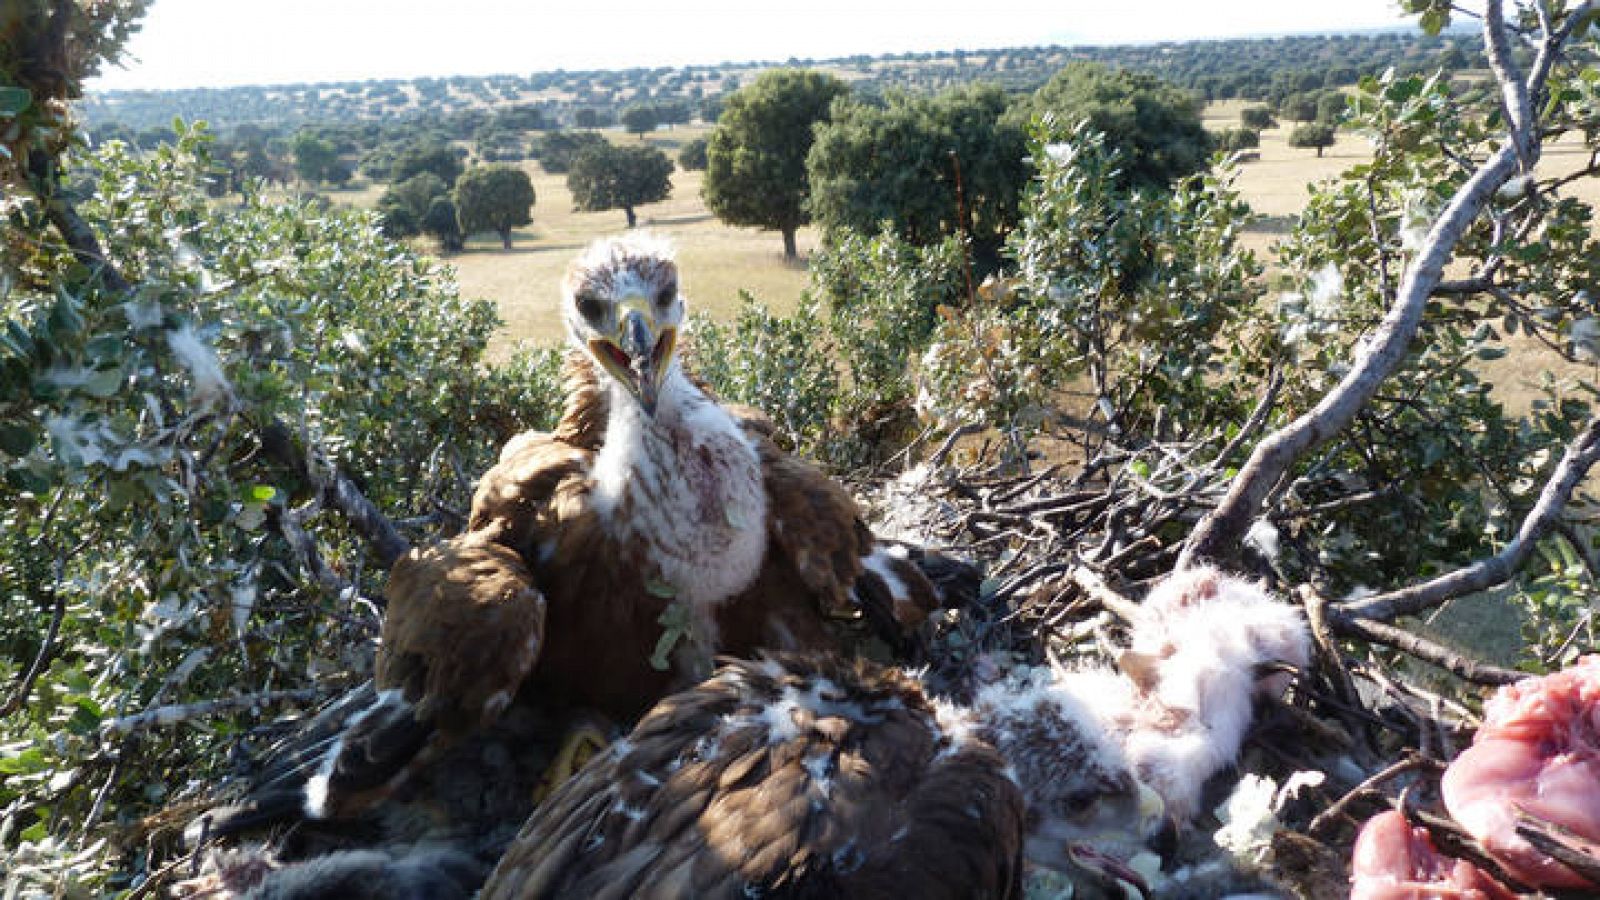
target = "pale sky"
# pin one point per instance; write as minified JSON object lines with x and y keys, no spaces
{"x":219,"y":43}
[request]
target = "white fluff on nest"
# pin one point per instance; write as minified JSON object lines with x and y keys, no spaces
{"x":1184,"y":701}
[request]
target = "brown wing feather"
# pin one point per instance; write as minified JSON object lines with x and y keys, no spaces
{"x":813,"y":525}
{"x":820,"y":545}
{"x":462,"y":593}
{"x":464,"y":627}
{"x":796,"y":776}
{"x":516,"y":500}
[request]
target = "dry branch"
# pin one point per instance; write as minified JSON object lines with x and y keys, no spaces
{"x":162,"y":716}
{"x":334,"y":489}
{"x":1454,"y":662}
{"x":1581,"y":454}
{"x":1380,"y":354}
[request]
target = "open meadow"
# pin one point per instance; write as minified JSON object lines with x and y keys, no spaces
{"x":719,"y":260}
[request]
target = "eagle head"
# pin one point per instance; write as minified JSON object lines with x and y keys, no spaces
{"x":621,"y":304}
{"x":1087,"y":810}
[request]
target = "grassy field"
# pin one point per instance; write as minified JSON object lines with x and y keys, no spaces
{"x":718,"y":260}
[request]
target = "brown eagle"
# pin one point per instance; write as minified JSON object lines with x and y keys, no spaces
{"x":607,"y":561}
{"x":807,"y":775}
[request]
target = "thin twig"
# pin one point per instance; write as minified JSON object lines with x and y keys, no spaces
{"x":1457,"y":664}
{"x":1411,"y":763}
{"x":163,"y":716}
{"x":1581,"y":454}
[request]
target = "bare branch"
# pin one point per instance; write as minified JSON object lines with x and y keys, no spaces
{"x":1581,"y":454}
{"x":1457,"y":664}
{"x":1513,"y":92}
{"x":1561,"y":844}
{"x":1382,"y":352}
{"x":178,"y":713}
{"x":1109,"y":600}
{"x":1410,"y":763}
{"x":46,"y":650}
{"x":336,"y":491}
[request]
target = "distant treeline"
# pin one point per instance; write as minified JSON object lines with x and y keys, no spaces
{"x":1266,"y":69}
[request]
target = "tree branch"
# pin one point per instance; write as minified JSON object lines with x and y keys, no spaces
{"x":1380,"y":354}
{"x":1581,"y":454}
{"x":183,"y":712}
{"x":1457,"y":664}
{"x":335,"y":490}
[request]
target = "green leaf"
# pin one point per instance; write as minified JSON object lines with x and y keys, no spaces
{"x":16,"y":440}
{"x":16,"y":339}
{"x":64,"y":319}
{"x":262,"y":493}
{"x":14,"y":100}
{"x":1140,"y":468}
{"x":103,"y":384}
{"x":24,"y":763}
{"x":659,"y":587}
{"x":674,"y":621}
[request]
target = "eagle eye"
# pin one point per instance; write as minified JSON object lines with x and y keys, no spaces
{"x":588,"y":306}
{"x":1079,"y":802}
{"x":664,"y":297}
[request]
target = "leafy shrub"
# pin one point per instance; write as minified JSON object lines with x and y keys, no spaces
{"x":1127,"y":290}
{"x":692,"y":156}
{"x":145,"y":520}
{"x":1235,"y":139}
{"x":778,"y":364}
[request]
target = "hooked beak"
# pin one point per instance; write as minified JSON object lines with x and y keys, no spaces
{"x":1111,"y":868}
{"x":1117,"y":857}
{"x":637,"y":357}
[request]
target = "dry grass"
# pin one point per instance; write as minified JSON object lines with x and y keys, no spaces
{"x":717,"y":260}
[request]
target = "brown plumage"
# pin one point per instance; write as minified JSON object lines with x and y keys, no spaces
{"x":606,"y":562}
{"x":571,"y":515}
{"x":804,"y":775}
{"x":702,"y":800}
{"x":463,"y":629}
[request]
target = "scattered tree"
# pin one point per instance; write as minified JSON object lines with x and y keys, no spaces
{"x":1153,"y":124}
{"x":1312,"y":134}
{"x":494,"y":198}
{"x":404,"y":204}
{"x":1299,"y":108}
{"x":692,"y":155}
{"x":608,"y":177}
{"x":440,"y":222}
{"x":313,"y":157}
{"x":674,"y":113}
{"x":756,"y":156}
{"x":1235,"y":139}
{"x":1257,"y":117}
{"x":557,"y":149}
{"x":640,"y":119}
{"x":1331,"y":106}
{"x":900,"y":164}
{"x":440,"y":159}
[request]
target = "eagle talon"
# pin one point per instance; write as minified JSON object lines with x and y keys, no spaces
{"x":582,"y":743}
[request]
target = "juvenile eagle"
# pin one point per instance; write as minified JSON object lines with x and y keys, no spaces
{"x":806,"y":775}
{"x":1185,"y":698}
{"x":607,"y":561}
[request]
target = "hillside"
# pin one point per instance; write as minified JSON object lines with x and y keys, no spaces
{"x":1218,"y":70}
